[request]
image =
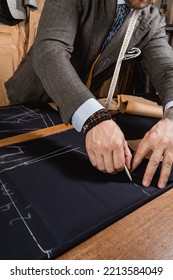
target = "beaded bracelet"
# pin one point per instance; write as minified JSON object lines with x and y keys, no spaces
{"x":96,"y":118}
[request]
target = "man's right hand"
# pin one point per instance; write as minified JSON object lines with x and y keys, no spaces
{"x":107,"y":148}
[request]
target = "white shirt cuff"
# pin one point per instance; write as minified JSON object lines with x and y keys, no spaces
{"x":168,"y":105}
{"x":88,"y":108}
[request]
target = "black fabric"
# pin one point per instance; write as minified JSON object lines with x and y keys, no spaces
{"x":16,"y":120}
{"x":51,"y":198}
{"x":134,"y":127}
{"x":5,"y":15}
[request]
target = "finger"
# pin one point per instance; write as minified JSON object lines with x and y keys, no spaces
{"x":166,"y":170}
{"x":128,"y":155}
{"x":92,"y":158}
{"x":142,"y":150}
{"x":100,"y":163}
{"x":109,"y":163}
{"x":119,"y":158}
{"x":152,"y":167}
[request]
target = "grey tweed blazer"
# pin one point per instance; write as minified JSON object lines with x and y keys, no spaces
{"x":69,"y":38}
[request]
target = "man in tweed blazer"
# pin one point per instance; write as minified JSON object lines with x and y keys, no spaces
{"x":69,"y":39}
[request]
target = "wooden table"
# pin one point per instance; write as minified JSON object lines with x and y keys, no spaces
{"x":145,"y":234}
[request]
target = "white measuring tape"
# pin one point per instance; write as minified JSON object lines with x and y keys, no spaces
{"x":125,"y":44}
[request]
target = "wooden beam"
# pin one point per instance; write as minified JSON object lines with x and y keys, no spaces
{"x":34,"y":134}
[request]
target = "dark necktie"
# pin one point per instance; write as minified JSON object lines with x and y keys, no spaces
{"x":122,"y":12}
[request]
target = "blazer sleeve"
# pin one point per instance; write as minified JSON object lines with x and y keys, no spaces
{"x":52,"y":53}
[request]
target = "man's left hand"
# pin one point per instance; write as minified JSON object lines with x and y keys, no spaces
{"x":159,"y":142}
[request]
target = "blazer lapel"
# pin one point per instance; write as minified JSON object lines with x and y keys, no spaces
{"x":142,"y":27}
{"x":104,"y":16}
{"x":104,"y":13}
{"x":111,"y":52}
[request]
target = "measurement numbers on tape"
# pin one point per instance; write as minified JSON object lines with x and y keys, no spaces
{"x":124,"y":47}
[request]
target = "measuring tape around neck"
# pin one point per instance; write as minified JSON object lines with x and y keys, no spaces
{"x":124,"y":47}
